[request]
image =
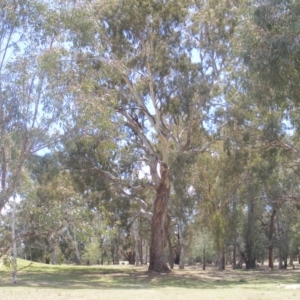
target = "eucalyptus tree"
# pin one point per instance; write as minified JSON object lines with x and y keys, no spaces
{"x":269,"y":49}
{"x":139,"y":60}
{"x":54,"y":216}
{"x":218,"y":194}
{"x":32,"y":95}
{"x":80,"y":156}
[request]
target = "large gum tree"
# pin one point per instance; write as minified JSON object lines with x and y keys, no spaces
{"x":141,"y":61}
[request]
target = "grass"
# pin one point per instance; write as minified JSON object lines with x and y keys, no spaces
{"x":47,"y":282}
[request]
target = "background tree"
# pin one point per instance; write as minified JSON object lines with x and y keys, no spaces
{"x":31,"y":104}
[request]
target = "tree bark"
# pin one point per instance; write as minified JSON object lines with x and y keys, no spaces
{"x":157,"y":262}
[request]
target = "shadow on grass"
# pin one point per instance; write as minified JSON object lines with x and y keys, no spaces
{"x":139,"y":278}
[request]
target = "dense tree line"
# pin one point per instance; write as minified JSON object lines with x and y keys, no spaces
{"x":150,"y":131}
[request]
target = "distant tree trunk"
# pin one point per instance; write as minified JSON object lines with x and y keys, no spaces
{"x":13,"y":235}
{"x":181,"y":245}
{"x":285,"y":263}
{"x":234,"y":256}
{"x":101,"y":251}
{"x":271,"y":233}
{"x":262,"y":259}
{"x":241,"y":259}
{"x":75,"y":245}
{"x":77,"y":253}
{"x":280,"y":252}
{"x":249,"y":255}
{"x":137,"y":253}
{"x":146,"y":254}
{"x":141,"y":251}
{"x":229,"y":257}
{"x":157,"y":262}
{"x":221,"y":259}
{"x":115,"y":252}
{"x":170,"y":248}
{"x":291,"y":263}
{"x":280,"y":260}
{"x":53,"y":256}
{"x":204,"y":259}
{"x":250,"y":262}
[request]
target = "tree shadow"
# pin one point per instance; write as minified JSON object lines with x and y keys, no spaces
{"x":94,"y":278}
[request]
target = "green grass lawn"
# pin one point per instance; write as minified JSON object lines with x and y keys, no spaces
{"x":45,"y":282}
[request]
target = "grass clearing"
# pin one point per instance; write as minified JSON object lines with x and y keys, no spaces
{"x":47,"y":282}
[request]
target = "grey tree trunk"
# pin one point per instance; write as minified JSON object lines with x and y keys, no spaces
{"x":13,"y":236}
{"x":181,"y":245}
{"x":75,"y":246}
{"x":77,"y":253}
{"x":136,"y":243}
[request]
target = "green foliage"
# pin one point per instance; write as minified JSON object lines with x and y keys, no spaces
{"x":199,"y":244}
{"x":92,"y":252}
{"x":6,"y":261}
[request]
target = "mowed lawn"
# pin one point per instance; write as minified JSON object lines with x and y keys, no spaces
{"x":45,"y":282}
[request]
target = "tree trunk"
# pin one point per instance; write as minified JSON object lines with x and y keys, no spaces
{"x":285,"y":263}
{"x":77,"y":253}
{"x":221,"y":259}
{"x":157,"y":262}
{"x":280,"y":252}
{"x":234,"y":257}
{"x":146,"y":254}
{"x":251,"y":263}
{"x":75,"y":245}
{"x":115,"y":252}
{"x":53,"y":256}
{"x":271,"y":233}
{"x":137,"y":252}
{"x":181,"y":245}
{"x":248,"y":254}
{"x":241,"y":260}
{"x":291,"y":263}
{"x":101,"y":251}
{"x":13,"y":235}
{"x":204,"y":259}
{"x":280,"y":259}
{"x":141,"y":251}
{"x":167,"y":230}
